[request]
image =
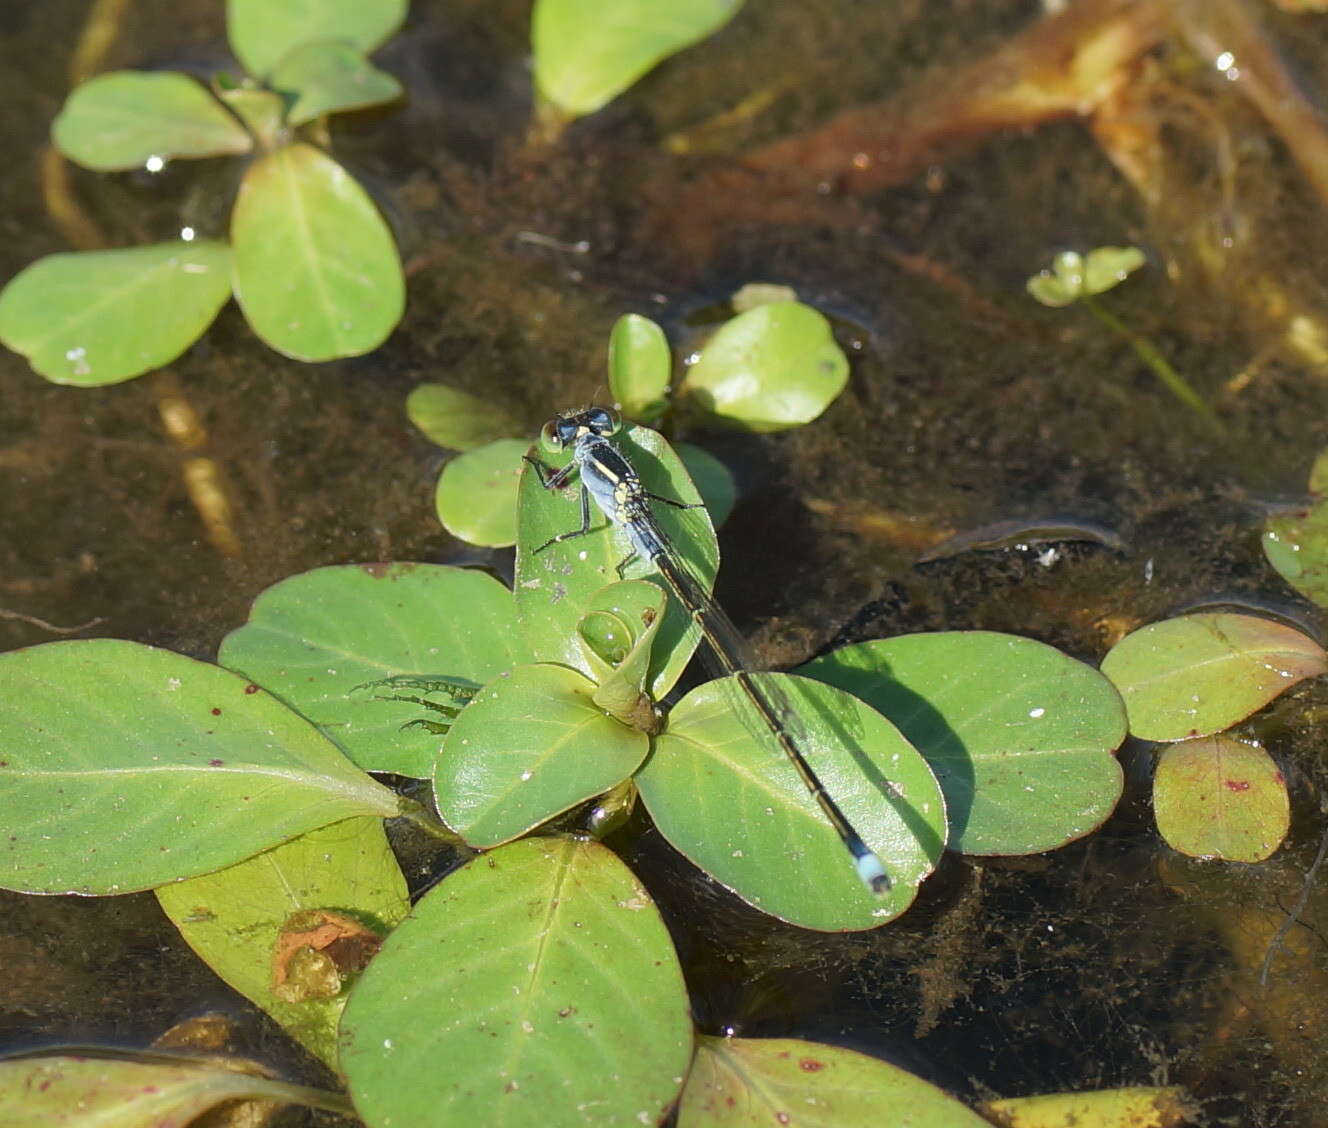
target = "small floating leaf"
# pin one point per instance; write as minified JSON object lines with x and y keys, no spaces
{"x":316,"y":270}
{"x":1218,"y":797}
{"x":1073,"y":276}
{"x":1138,"y":1107}
{"x":773,"y":367}
{"x":321,"y":638}
{"x":39,"y":1092}
{"x":121,"y":120}
{"x":261,"y":32}
{"x":587,"y":53}
{"x":640,"y":364}
{"x":551,"y":986}
{"x":329,"y":76}
{"x":100,"y":317}
{"x":124,"y":767}
{"x":725,"y":795}
{"x":755,"y":1082}
{"x":713,"y":481}
{"x":1199,"y":674}
{"x":458,"y":420}
{"x":476,"y":493}
{"x":1020,"y":735}
{"x":235,"y":917}
{"x":1296,"y":544}
{"x":531,"y":745}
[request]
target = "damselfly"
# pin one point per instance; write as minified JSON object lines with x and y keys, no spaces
{"x":609,"y":479}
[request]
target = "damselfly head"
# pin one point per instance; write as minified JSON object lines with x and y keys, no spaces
{"x":563,"y":430}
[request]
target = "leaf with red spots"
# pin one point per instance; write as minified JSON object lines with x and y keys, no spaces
{"x":1200,"y":674}
{"x":1218,"y":797}
{"x":758,"y":1082}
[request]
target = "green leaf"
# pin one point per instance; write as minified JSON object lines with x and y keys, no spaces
{"x":755,"y":1082}
{"x":234,"y":918}
{"x":1107,"y":267}
{"x":120,"y":120}
{"x":1073,"y":276}
{"x":1296,"y":543}
{"x":1199,"y":674}
{"x":1140,"y":1106}
{"x":1218,"y":797}
{"x":476,"y":493}
{"x":261,"y":32}
{"x":261,"y":110}
{"x":587,"y":53}
{"x":617,"y":634}
{"x":531,"y":745}
{"x":712,"y":480}
{"x":725,"y":795}
{"x":555,"y":585}
{"x":552,"y":995}
{"x":124,"y":767}
{"x":1019,"y":735}
{"x":101,"y":317}
{"x":39,"y":1092}
{"x":314,"y":639}
{"x":316,"y":271}
{"x":771,"y":368}
{"x":329,"y":76}
{"x":457,"y":420}
{"x":640,"y":364}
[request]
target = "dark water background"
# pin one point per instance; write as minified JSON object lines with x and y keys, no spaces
{"x":1107,"y":963}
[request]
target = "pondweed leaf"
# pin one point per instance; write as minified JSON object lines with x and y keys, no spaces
{"x":328,"y":76}
{"x":38,"y":1092}
{"x":531,"y":745}
{"x":318,"y":640}
{"x":101,"y":317}
{"x":640,"y":364}
{"x":476,"y":493}
{"x":555,"y":585}
{"x":123,"y":767}
{"x":1218,"y":797}
{"x":724,"y":793}
{"x":755,"y":1082}
{"x":587,"y":53}
{"x":262,"y":32}
{"x":315,"y":268}
{"x":1296,"y":543}
{"x":536,"y":980}
{"x":458,"y":420}
{"x":234,"y":918}
{"x":1199,"y":674}
{"x":1020,"y":735}
{"x":1140,"y":1106}
{"x":119,"y":120}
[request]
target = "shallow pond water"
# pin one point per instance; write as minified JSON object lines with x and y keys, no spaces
{"x":1107,"y":963}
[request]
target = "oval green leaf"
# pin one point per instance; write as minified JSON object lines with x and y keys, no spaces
{"x":726,"y":796}
{"x":756,"y":1082}
{"x":234,"y":918}
{"x":640,"y":364}
{"x":773,"y":367}
{"x":1200,"y":674}
{"x":712,"y":479}
{"x":458,"y":420}
{"x":1136,"y":1107}
{"x":100,"y":317}
{"x":316,"y":270}
{"x":318,"y":640}
{"x":476,"y":493}
{"x":1296,"y":543}
{"x":552,"y":995}
{"x":261,"y":32}
{"x":587,"y":53}
{"x":120,"y":120}
{"x":531,"y":745}
{"x":1020,"y":736}
{"x":40,"y":1092}
{"x":329,"y":76}
{"x":1218,"y":797}
{"x":1105,"y":268}
{"x":555,"y":585}
{"x":262,"y":111}
{"x":123,"y":767}
{"x":617,"y":635}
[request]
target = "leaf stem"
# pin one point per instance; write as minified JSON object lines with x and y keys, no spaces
{"x":1145,"y":350}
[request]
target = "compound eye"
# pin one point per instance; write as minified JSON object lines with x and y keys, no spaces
{"x":604,"y":421}
{"x":550,"y":439}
